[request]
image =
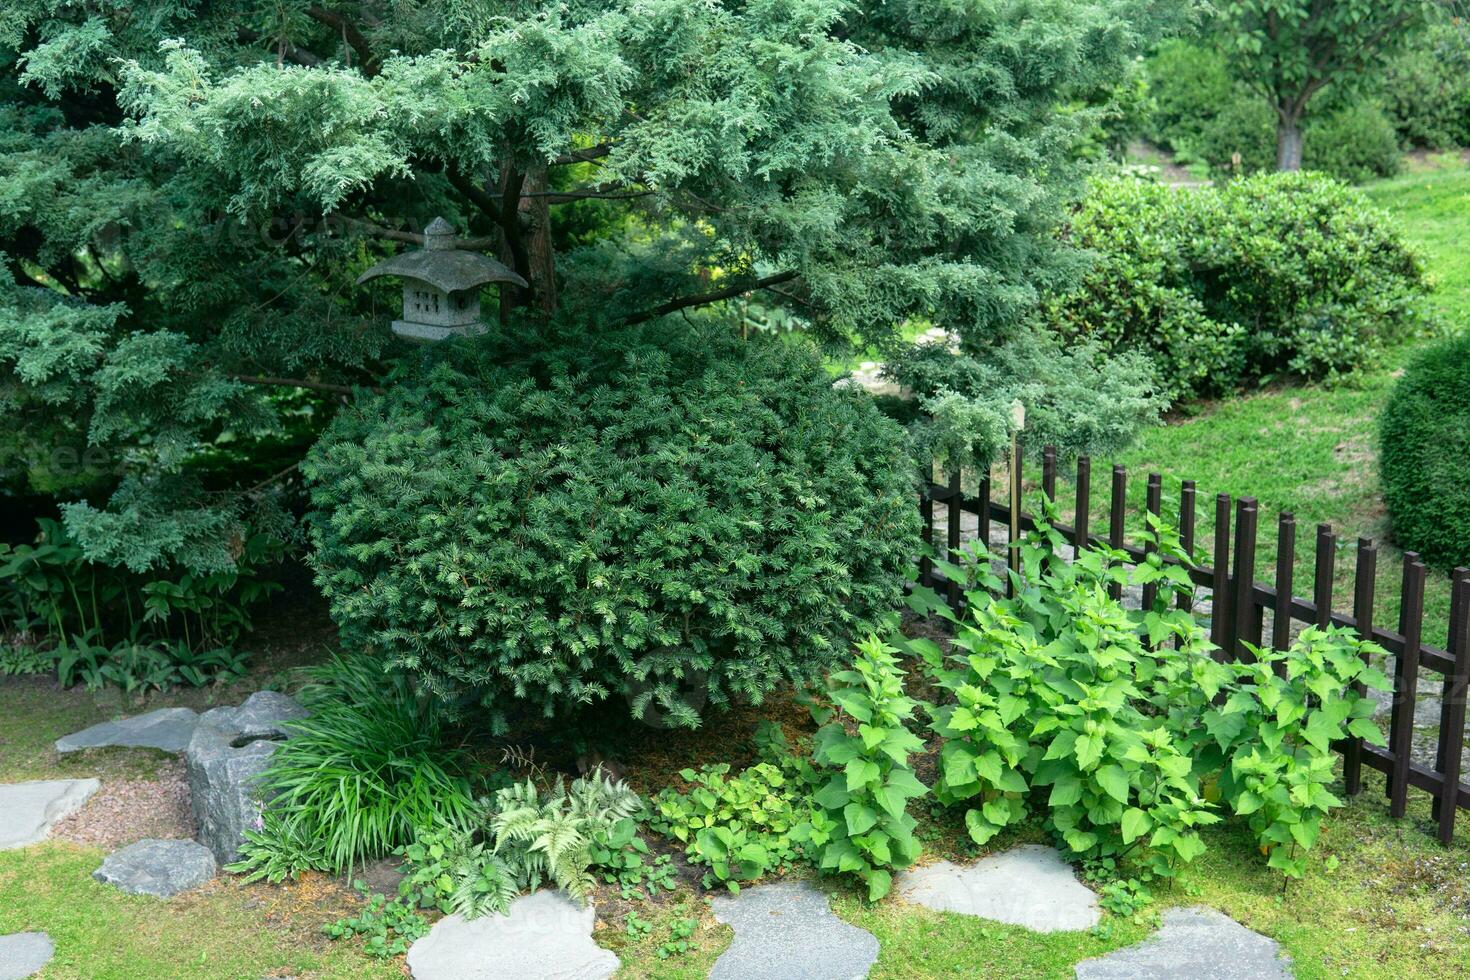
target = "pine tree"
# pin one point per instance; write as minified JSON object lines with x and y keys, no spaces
{"x":189,"y":188}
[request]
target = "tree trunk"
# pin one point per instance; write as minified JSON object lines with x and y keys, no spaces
{"x":539,"y":248}
{"x":1289,"y":142}
{"x":525,"y":240}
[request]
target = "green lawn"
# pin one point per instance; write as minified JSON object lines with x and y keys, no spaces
{"x":1311,"y":450}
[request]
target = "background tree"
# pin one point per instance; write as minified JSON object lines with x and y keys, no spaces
{"x":188,"y":189}
{"x":1290,"y":50}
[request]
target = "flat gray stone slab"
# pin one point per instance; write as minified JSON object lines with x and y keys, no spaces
{"x":29,"y":810}
{"x":1027,"y":886}
{"x":1193,"y":943}
{"x":787,"y":930}
{"x":542,"y":935}
{"x":168,"y":729}
{"x":161,"y":868}
{"x":23,"y":954}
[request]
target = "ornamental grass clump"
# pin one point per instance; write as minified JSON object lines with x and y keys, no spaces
{"x":358,"y":778}
{"x":668,"y":516}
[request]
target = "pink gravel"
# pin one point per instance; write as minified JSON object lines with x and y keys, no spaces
{"x":124,"y":811}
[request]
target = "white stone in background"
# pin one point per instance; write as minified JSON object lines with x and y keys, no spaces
{"x":787,"y":930}
{"x":1027,"y":886}
{"x":23,"y":954}
{"x":29,"y":810}
{"x":1193,"y":943}
{"x":541,"y":936}
{"x":168,"y":729}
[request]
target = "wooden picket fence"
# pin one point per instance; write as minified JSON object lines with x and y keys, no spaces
{"x":1239,"y":604}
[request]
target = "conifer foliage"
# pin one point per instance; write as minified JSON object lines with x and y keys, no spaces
{"x":669,"y":516}
{"x":189,"y":189}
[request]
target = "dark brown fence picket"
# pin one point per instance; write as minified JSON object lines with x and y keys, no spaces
{"x":1238,"y":604}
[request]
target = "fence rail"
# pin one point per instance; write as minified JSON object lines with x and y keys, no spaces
{"x":1239,"y":603}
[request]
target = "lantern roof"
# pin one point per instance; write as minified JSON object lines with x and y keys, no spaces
{"x":443,"y":266}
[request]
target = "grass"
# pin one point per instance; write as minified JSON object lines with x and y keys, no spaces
{"x":224,"y":930}
{"x":1310,"y":450}
{"x":1385,"y":900}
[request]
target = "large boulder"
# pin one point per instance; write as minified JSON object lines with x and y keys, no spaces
{"x":264,"y":714}
{"x":231,"y":747}
{"x":161,"y":868}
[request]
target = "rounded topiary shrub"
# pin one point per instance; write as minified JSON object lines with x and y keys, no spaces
{"x":1424,"y":455}
{"x":1268,"y":276}
{"x":671,"y":516}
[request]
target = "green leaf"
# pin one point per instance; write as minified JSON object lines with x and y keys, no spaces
{"x":1114,"y":782}
{"x":1135,"y":824}
{"x":860,"y":818}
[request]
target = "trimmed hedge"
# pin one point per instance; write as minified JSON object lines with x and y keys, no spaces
{"x":1424,"y":454}
{"x":1271,"y":275}
{"x":666,"y":515}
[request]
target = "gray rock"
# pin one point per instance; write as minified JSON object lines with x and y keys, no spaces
{"x":1027,"y":886}
{"x":23,"y":954}
{"x":168,"y":729}
{"x":162,"y":868}
{"x":542,"y":935}
{"x":223,"y":761}
{"x":29,"y":810}
{"x":261,"y":716}
{"x":787,"y":930}
{"x":1197,"y":942}
{"x":222,"y":781}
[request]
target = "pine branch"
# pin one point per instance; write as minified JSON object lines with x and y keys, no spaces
{"x":478,"y":196}
{"x":354,"y":37}
{"x":581,"y":156}
{"x":704,"y":299}
{"x":413,"y":237}
{"x":252,"y":379}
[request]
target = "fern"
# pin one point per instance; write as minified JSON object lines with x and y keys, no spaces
{"x":549,"y":837}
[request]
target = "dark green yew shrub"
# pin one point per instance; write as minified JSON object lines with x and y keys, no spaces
{"x":1424,"y":454}
{"x":666,"y":515}
{"x":1272,"y":275}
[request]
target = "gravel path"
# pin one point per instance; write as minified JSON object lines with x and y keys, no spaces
{"x":127,"y":810}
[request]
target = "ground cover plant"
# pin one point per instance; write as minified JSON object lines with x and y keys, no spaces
{"x":1122,"y":732}
{"x":93,"y":624}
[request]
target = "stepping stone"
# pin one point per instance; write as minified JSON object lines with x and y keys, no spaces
{"x":161,"y":868}
{"x":1197,"y":942}
{"x":168,"y":729}
{"x":29,"y":810}
{"x":1027,"y":886}
{"x":787,"y":930}
{"x":542,"y":935}
{"x":23,"y":954}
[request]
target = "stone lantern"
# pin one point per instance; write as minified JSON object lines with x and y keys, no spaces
{"x":441,"y":285}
